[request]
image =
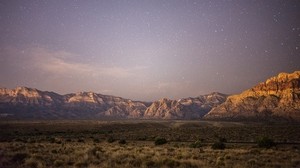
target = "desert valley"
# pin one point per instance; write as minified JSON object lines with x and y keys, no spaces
{"x":150,"y":84}
{"x":257,"y":128}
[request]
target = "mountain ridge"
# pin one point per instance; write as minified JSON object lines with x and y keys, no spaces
{"x":185,"y":108}
{"x":277,"y":97}
{"x":24,"y":102}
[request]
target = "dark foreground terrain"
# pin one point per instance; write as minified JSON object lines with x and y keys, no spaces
{"x":148,"y":143}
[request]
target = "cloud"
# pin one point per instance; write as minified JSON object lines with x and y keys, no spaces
{"x":61,"y":63}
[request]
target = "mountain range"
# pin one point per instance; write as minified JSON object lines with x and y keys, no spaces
{"x":29,"y":103}
{"x":276,"y":98}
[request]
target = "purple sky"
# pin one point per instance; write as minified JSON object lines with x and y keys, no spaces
{"x":147,"y":50}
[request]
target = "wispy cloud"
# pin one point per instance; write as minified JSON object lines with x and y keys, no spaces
{"x":60,"y":63}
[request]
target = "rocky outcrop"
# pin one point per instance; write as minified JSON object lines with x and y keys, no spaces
{"x":28,"y":96}
{"x":23,"y":102}
{"x":104,"y":105}
{"x":187,"y":108}
{"x":277,"y":98}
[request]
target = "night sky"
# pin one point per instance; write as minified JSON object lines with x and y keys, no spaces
{"x":147,"y":50}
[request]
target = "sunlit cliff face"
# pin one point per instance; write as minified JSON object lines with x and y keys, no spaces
{"x":278,"y":96}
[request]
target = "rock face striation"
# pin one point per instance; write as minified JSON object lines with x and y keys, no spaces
{"x":187,"y":108}
{"x":277,"y":98}
{"x":22,"y":103}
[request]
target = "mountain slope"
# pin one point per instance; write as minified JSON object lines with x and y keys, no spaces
{"x":278,"y":97}
{"x":29,"y":96}
{"x":23,"y":102}
{"x":187,"y":108}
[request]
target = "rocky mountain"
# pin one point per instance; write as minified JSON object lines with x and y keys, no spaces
{"x":29,"y":103}
{"x":23,"y":102}
{"x":28,"y":96}
{"x":277,"y":98}
{"x":187,"y":108}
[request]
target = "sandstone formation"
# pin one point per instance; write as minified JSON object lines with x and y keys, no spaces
{"x":25,"y":102}
{"x":187,"y":108}
{"x":277,"y":98}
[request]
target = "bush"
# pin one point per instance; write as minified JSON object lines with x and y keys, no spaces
{"x":110,"y":140}
{"x":68,"y":140}
{"x":218,"y":145}
{"x":160,"y":141}
{"x":222,"y":139}
{"x":58,"y":163}
{"x":80,"y":140}
{"x":196,"y":144}
{"x":170,"y":163}
{"x":51,"y":139}
{"x":95,"y":140}
{"x":265,"y":142}
{"x":122,"y":141}
{"x":32,"y":163}
{"x":19,"y":157}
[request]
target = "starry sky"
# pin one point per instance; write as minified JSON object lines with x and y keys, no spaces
{"x":147,"y":49}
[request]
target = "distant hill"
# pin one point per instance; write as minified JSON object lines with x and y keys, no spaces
{"x":29,"y":103}
{"x":277,"y":98}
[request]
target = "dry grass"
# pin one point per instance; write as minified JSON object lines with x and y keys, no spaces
{"x":135,"y":154}
{"x":29,"y":145}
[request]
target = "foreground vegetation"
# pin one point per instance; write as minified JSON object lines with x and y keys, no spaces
{"x":148,"y":144}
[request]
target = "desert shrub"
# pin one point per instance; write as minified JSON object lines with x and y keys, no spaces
{"x":58,"y":142}
{"x":170,"y":163}
{"x":252,"y":162}
{"x":54,"y":151}
{"x":265,"y":142}
{"x":222,"y":139}
{"x":95,"y":152}
{"x":70,"y":163}
{"x":80,"y":140}
{"x":58,"y":163}
{"x":31,"y":141}
{"x":82,"y":164}
{"x":33,"y":163}
{"x":220,"y":161}
{"x":110,"y":139}
{"x":122,"y":141}
{"x":218,"y":145}
{"x":135,"y":162}
{"x":176,"y":145}
{"x":160,"y":141}
{"x":51,"y":139}
{"x":196,"y":144}
{"x":295,"y":162}
{"x":188,"y":164}
{"x":18,"y":140}
{"x":19,"y":157}
{"x":150,"y":163}
{"x":68,"y":140}
{"x":142,"y":138}
{"x":96,"y":140}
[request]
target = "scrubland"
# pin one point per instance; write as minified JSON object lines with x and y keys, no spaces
{"x":133,"y":143}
